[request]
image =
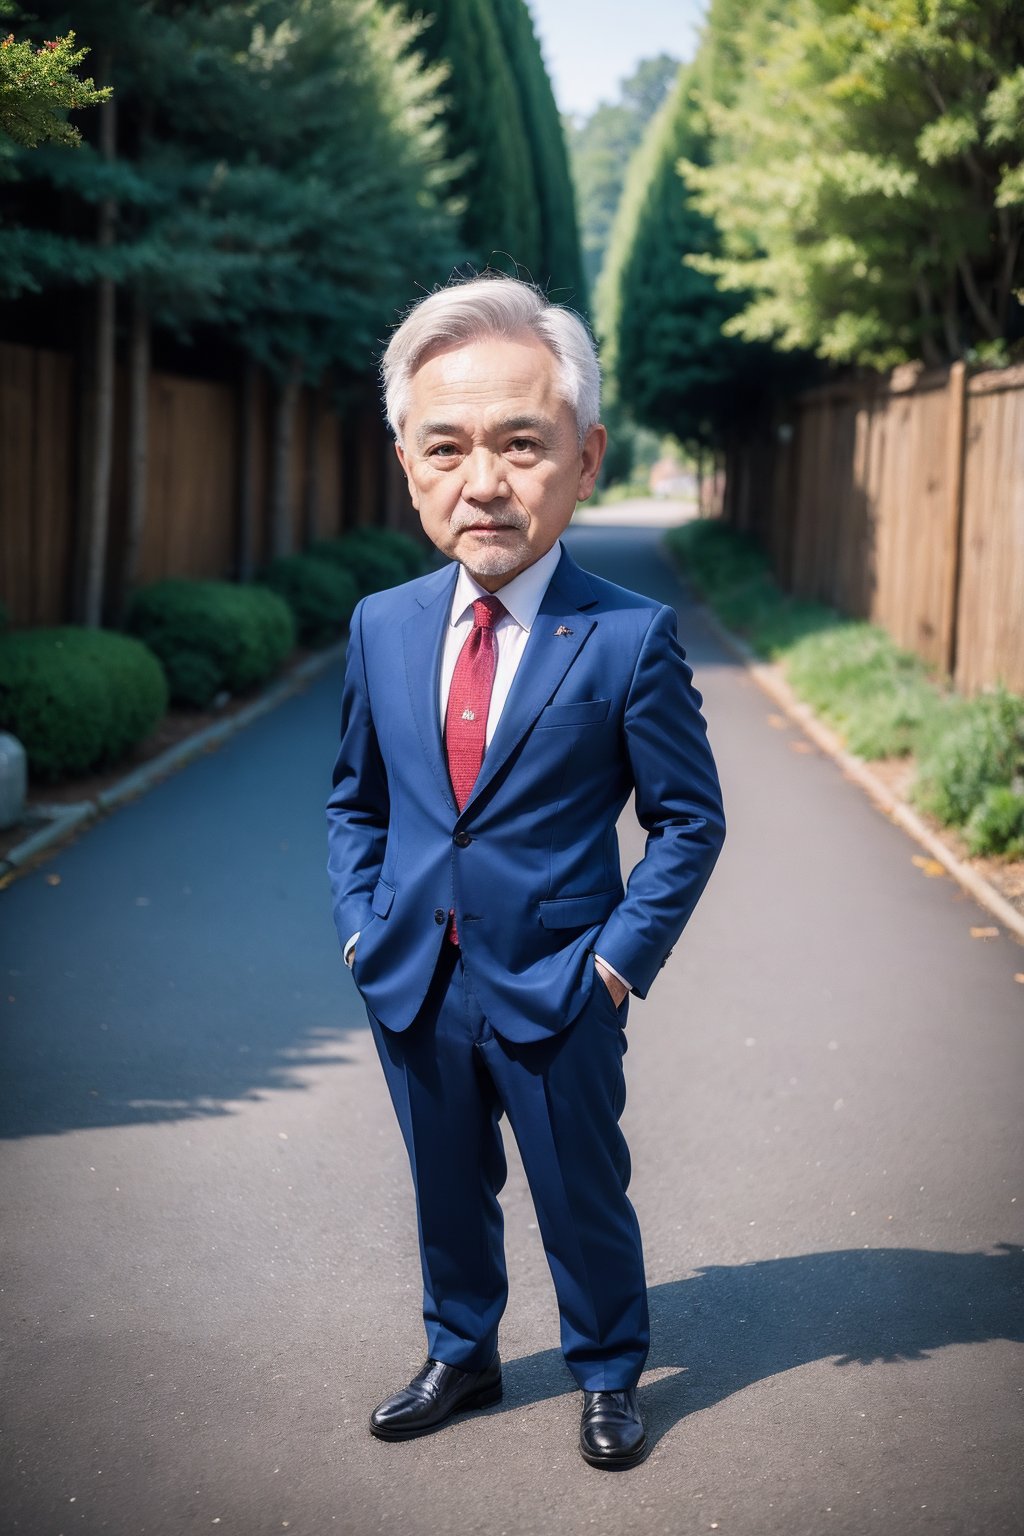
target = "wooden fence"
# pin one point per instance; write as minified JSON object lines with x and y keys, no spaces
{"x":194,"y":479}
{"x":901,"y":502}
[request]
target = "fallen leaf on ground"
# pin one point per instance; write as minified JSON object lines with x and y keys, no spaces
{"x":801,"y":746}
{"x":984,"y":933}
{"x":778,"y":722}
{"x":930,"y":867}
{"x":1019,"y":976}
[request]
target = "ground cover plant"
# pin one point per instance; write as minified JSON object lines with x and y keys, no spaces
{"x":968,"y":753}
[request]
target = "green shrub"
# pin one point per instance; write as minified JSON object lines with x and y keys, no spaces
{"x":879,"y":696}
{"x":407,"y":551}
{"x":970,"y":769}
{"x":996,"y":825}
{"x":320,"y":595}
{"x":375,"y":557}
{"x":78,"y":699}
{"x":972,"y":745}
{"x":212,"y":635}
{"x":735,"y":578}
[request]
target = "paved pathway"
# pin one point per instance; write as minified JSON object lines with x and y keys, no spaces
{"x":209,"y":1270}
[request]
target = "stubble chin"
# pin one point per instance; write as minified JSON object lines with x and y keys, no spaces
{"x":503,"y":560}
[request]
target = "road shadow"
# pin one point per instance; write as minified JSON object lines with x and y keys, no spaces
{"x":729,"y":1326}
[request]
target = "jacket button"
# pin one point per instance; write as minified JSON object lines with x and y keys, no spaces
{"x":439,"y":915}
{"x":462,"y":839}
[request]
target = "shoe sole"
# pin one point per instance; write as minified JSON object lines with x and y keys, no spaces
{"x":485,"y":1399}
{"x":615,"y":1463}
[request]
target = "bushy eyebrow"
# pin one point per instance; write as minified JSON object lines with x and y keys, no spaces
{"x":539,"y":424}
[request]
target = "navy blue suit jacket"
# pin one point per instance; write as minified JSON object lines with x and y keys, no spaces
{"x":602,"y":706}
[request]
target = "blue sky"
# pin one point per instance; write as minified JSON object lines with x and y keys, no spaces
{"x":590,"y":45}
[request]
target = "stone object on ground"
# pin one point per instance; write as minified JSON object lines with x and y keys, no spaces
{"x":13,"y":780}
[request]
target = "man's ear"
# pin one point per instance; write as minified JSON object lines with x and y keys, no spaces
{"x":408,"y":477}
{"x":594,"y":445}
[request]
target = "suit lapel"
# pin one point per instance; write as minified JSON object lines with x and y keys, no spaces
{"x":559,"y":631}
{"x":423,"y":640}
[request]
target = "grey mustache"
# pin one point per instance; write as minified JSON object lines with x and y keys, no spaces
{"x":463,"y":520}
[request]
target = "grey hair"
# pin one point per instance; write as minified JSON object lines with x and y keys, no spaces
{"x":493,"y":306}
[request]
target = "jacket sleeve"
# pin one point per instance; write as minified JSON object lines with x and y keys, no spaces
{"x":678,"y":802}
{"x":358,"y":808}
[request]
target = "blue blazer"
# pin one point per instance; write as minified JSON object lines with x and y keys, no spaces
{"x":602,"y":707}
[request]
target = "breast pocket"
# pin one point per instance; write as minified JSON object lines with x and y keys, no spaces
{"x":585,"y":712}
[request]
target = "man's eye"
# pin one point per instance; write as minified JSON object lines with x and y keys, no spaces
{"x":522,"y":445}
{"x":443,"y":451}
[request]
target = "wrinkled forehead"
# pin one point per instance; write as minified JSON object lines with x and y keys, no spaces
{"x":488,"y":377}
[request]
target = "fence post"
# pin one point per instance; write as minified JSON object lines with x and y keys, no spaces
{"x":956,"y":441}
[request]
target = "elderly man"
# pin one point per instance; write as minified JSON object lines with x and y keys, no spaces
{"x":496,"y":717}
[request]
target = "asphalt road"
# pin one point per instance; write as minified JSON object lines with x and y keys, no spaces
{"x":209,"y":1267}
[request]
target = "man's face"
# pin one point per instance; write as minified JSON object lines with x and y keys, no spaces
{"x":491,"y":454}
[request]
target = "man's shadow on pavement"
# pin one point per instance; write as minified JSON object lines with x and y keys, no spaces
{"x":729,"y":1326}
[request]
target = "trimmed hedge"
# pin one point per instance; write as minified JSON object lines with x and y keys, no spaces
{"x":375,"y":557}
{"x":212,"y":635}
{"x":78,"y":699}
{"x":397,"y":546}
{"x":320,"y":595}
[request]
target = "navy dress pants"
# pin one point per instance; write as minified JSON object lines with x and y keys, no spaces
{"x":451,"y":1078}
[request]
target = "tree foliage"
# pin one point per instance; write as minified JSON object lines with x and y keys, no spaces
{"x":486,"y":131}
{"x":38,"y":87}
{"x":661,"y":320}
{"x":602,"y":146}
{"x":558,"y":266}
{"x":280,"y":175}
{"x":866,"y":175}
{"x":506,"y":139}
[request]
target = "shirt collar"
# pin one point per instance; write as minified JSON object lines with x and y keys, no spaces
{"x":522,"y":596}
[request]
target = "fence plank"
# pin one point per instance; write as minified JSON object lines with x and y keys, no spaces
{"x":990,"y":624}
{"x":902,"y":501}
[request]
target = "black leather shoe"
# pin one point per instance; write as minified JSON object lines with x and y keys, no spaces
{"x":612,"y":1432}
{"x":432,"y":1397}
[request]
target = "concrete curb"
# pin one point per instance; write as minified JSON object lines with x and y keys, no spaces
{"x":778,"y":690}
{"x":70,"y":818}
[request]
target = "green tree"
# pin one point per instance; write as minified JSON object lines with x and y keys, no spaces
{"x":672,"y":369}
{"x":602,"y":146}
{"x":272,"y":175}
{"x":487,"y":134}
{"x":559,"y":269}
{"x":866,"y":176}
{"x":39,"y":86}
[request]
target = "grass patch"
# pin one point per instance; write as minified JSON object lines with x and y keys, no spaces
{"x":969,"y":753}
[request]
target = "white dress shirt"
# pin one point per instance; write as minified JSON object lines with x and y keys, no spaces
{"x":521,"y":598}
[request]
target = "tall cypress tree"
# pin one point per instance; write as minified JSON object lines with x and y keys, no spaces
{"x":560,"y":269}
{"x":486,"y":132}
{"x":672,"y":368}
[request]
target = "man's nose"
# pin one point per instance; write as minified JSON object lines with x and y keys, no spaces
{"x":484,"y":475}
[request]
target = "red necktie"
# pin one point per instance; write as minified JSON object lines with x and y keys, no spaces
{"x":465,"y":726}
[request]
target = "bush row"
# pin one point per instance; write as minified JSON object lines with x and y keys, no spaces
{"x":78,"y":699}
{"x":81,"y":699}
{"x":969,"y":753}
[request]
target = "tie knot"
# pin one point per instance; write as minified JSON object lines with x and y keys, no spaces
{"x":487,"y":611}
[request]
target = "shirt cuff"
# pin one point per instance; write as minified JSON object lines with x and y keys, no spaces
{"x":350,"y":947}
{"x":617,"y":974}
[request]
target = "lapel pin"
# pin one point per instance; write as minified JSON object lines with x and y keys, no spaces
{"x":563,"y":629}
{"x":468,"y":714}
